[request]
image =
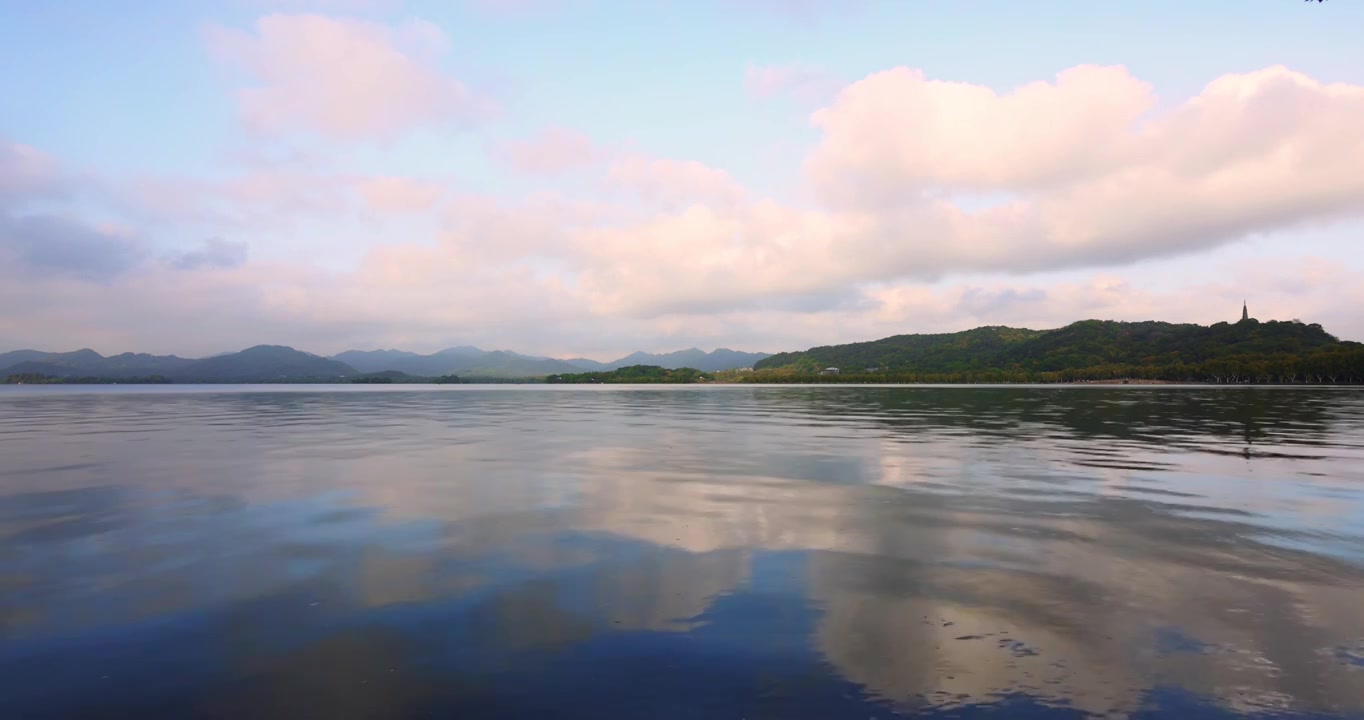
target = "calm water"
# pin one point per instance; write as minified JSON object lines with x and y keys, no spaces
{"x":683,"y":552}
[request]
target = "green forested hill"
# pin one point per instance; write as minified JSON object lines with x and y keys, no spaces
{"x":632,"y":374}
{"x":1247,"y":351}
{"x":950,"y":352}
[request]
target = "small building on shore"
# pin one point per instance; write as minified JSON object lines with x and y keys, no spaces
{"x":829,"y":371}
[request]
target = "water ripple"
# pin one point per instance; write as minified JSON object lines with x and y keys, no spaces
{"x":681,"y":551}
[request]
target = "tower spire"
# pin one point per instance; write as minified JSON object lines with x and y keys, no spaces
{"x":1245,"y":313}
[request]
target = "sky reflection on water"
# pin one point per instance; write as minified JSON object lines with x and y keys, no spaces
{"x":681,"y":552}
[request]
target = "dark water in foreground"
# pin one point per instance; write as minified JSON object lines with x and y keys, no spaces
{"x":683,"y":552}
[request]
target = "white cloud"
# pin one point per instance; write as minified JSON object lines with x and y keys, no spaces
{"x":390,"y":194}
{"x":1091,"y":178}
{"x":27,"y":173}
{"x":343,"y":78}
{"x":551,"y":151}
{"x":801,"y":80}
{"x":674,"y":183}
{"x":213,"y":253}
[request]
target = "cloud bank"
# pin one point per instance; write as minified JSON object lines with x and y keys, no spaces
{"x":924,"y":204}
{"x":343,"y":79}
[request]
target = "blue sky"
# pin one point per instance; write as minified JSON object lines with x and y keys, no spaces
{"x":656,"y":125}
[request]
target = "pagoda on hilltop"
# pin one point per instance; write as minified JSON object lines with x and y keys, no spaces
{"x":1245,"y":313}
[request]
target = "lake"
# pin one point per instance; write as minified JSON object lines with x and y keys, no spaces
{"x":681,"y":552}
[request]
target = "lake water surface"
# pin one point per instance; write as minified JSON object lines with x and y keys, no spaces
{"x":681,"y":552}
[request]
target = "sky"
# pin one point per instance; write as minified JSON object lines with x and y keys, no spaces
{"x":593,"y":177}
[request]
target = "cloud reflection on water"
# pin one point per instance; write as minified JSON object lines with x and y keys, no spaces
{"x":895,"y":548}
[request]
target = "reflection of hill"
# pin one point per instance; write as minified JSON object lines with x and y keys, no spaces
{"x":1157,"y":416}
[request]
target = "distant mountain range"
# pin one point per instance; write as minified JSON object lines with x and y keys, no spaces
{"x":277,"y":362}
{"x":465,"y":361}
{"x":259,"y":363}
{"x":473,"y":362}
{"x":715,"y":361}
{"x":1246,"y":351}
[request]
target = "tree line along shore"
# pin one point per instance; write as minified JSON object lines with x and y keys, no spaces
{"x":1087,"y":352}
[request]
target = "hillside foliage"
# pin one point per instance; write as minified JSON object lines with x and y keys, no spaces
{"x":1092,"y":350}
{"x":633,"y":374}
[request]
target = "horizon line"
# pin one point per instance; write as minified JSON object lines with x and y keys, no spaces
{"x":628,"y":354}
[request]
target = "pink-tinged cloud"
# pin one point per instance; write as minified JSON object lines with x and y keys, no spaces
{"x":482,"y":231}
{"x":260,"y":199}
{"x":551,"y":151}
{"x":323,"y":6}
{"x":1081,"y":172}
{"x":674,"y":183}
{"x":896,"y":133}
{"x":1112,"y":296}
{"x":265,"y":195}
{"x":28,"y":173}
{"x":1088,"y":179}
{"x":802,"y":81}
{"x":285,"y":191}
{"x":520,"y":6}
{"x":801,"y":10}
{"x":344,"y":79}
{"x":397,"y":195}
{"x":703,"y":258}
